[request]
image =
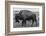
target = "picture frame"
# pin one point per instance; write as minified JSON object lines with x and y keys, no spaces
{"x":8,"y":9}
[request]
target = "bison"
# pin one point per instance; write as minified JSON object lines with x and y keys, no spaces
{"x":25,"y":15}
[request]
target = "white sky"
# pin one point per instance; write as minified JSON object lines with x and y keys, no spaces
{"x":25,"y":7}
{"x":30,"y":9}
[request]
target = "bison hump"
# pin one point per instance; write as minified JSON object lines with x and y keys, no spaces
{"x":26,"y":12}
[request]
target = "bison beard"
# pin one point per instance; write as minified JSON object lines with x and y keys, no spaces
{"x":25,"y":17}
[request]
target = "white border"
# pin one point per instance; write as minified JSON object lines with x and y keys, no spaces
{"x":27,"y":28}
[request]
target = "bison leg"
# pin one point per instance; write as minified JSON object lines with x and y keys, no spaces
{"x":24,"y":23}
{"x":32,"y":23}
{"x":17,"y":20}
{"x":36,"y":21}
